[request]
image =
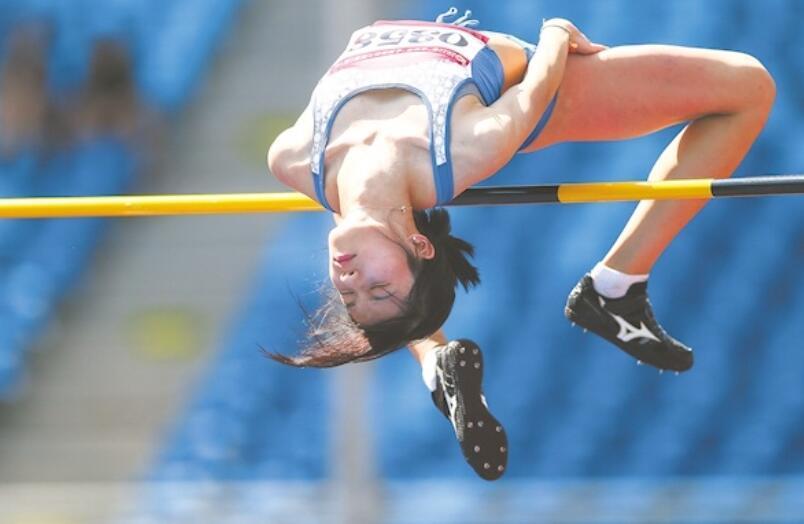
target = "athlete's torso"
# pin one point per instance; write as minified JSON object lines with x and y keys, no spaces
{"x":404,"y":82}
{"x":429,"y":67}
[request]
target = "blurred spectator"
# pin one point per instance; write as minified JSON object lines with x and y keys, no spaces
{"x":23,"y":92}
{"x":109,"y":109}
{"x":109,"y":103}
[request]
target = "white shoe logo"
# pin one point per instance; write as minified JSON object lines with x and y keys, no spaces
{"x":628,"y":331}
{"x":452,"y":400}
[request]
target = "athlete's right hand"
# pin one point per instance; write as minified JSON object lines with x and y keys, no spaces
{"x":579,"y":43}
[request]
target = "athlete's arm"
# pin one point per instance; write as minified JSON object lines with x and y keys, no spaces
{"x":420,"y":348}
{"x":524,"y":103}
{"x":520,"y":107}
{"x":503,"y":126}
{"x":289,"y":155}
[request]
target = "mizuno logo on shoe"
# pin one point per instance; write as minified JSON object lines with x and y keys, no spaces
{"x":628,"y":331}
{"x":451,"y":399}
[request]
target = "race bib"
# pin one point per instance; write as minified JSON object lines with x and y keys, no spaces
{"x":452,"y":43}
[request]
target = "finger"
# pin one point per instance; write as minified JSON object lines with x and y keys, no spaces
{"x":579,"y":47}
{"x":588,"y":48}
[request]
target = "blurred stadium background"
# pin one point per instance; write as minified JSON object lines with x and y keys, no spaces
{"x":132,"y":386}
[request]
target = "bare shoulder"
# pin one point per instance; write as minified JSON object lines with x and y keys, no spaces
{"x":482,"y":142}
{"x":289,"y":155}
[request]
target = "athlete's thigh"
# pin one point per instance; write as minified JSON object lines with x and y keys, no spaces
{"x":629,"y":91}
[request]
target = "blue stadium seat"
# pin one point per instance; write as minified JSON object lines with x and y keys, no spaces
{"x":179,"y":50}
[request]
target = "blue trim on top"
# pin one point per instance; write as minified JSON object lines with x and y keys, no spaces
{"x":445,"y":181}
{"x":530,"y":50}
{"x":488,"y":75}
{"x":318,"y":179}
{"x":541,"y":124}
{"x":318,"y":182}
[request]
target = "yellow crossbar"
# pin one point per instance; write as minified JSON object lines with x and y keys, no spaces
{"x":207,"y":204}
{"x":155,"y":205}
{"x":623,"y":191}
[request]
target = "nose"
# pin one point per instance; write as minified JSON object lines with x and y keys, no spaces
{"x":348,"y":276}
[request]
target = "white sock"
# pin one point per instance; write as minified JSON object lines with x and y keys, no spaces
{"x":612,"y":283}
{"x":429,"y":370}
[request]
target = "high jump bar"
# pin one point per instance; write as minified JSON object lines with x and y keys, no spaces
{"x":283,"y":202}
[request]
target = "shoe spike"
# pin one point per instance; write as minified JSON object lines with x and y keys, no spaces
{"x":661,"y":371}
{"x":639,"y":362}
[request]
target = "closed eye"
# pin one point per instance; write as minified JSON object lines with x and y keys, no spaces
{"x":374,"y":298}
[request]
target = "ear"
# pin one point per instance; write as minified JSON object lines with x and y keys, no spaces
{"x":422,"y":246}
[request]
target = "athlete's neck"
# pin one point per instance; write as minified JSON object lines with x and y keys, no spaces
{"x":372,"y":184}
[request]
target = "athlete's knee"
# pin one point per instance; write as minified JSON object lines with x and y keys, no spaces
{"x":755,"y":82}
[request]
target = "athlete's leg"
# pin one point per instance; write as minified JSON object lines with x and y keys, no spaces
{"x":453,"y":372}
{"x":630,"y":91}
{"x":423,"y":351}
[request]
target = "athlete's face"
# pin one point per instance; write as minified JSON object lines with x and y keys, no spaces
{"x":370,"y":270}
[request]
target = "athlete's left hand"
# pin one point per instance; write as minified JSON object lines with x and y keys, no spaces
{"x":579,"y":42}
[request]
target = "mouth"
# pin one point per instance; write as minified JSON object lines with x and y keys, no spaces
{"x":342,"y":259}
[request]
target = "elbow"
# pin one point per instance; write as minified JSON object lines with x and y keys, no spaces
{"x":277,"y":162}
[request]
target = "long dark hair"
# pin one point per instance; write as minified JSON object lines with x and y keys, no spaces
{"x":335,"y":339}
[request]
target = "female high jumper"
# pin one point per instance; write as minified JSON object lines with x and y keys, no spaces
{"x":412,"y":113}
